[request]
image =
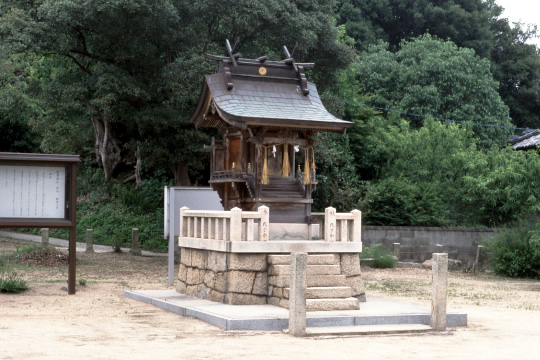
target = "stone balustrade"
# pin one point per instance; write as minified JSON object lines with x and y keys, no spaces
{"x":240,"y":231}
{"x":233,"y":225}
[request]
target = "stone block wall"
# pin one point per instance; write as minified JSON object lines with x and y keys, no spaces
{"x":237,"y":279}
{"x":245,"y":279}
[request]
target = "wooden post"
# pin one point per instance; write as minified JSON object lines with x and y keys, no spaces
{"x":45,"y":236}
{"x":89,"y":240}
{"x":135,"y":242}
{"x":475,"y":266}
{"x":258,"y":173}
{"x":396,"y":248}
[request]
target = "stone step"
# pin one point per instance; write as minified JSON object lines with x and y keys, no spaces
{"x":327,"y":304}
{"x":311,"y":281}
{"x":384,"y":329}
{"x":332,"y":304}
{"x":320,"y":259}
{"x":333,"y":292}
{"x":285,"y":270}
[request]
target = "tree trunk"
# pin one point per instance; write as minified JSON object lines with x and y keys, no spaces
{"x":138,"y":179}
{"x":180,"y":172}
{"x":107,"y":147}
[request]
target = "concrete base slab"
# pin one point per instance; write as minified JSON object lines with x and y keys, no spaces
{"x":272,"y":318}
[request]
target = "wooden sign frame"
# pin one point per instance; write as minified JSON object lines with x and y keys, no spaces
{"x":69,"y":219}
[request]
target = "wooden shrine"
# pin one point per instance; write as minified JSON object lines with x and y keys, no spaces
{"x":268,"y":114}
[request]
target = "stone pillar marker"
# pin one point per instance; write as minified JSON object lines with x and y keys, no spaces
{"x":135,"y":242}
{"x":45,"y":236}
{"x":264,"y":225}
{"x":297,"y":295}
{"x":439,"y":289}
{"x":89,"y":240}
{"x":330,"y":224}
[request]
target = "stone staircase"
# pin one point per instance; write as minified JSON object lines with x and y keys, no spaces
{"x":326,"y":287}
{"x":286,"y":200}
{"x":282,"y":188}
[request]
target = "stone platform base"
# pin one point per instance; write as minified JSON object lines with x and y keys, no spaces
{"x":333,"y":280}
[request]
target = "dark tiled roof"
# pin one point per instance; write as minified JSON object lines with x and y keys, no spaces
{"x":527,"y":141}
{"x":260,"y":101}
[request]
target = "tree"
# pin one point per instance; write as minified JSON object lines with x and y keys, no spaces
{"x":435,"y":176}
{"x":474,"y":24}
{"x":436,"y":78}
{"x":465,"y":22}
{"x":17,"y":109}
{"x":516,"y":65}
{"x":120,"y":55}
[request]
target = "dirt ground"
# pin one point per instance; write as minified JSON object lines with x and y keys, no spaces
{"x":100,"y":323}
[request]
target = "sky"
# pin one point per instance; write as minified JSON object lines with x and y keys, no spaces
{"x":525,"y":11}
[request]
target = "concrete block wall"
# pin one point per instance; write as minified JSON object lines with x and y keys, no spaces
{"x":419,"y":243}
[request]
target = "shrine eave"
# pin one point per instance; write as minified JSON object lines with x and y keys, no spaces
{"x":262,"y":103}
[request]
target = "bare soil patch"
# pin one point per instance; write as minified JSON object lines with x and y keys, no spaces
{"x":100,"y":323}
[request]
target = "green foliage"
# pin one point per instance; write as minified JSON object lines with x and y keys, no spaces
{"x":516,"y":252}
{"x":17,"y":109}
{"x":432,"y":77}
{"x":502,"y":186}
{"x":12,"y":283}
{"x":435,"y":176}
{"x":473,"y":24}
{"x":382,"y":258}
{"x":112,"y":221}
{"x":125,"y":76}
{"x":516,"y":65}
{"x":338,"y":185}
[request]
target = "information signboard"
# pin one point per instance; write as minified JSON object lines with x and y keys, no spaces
{"x":33,"y":191}
{"x":40,"y":190}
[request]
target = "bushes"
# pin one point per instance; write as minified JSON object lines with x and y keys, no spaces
{"x":381,"y":258}
{"x":516,"y":252}
{"x":11,"y":283}
{"x":112,"y":221}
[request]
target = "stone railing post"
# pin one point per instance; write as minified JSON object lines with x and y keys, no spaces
{"x":182,"y":223}
{"x":439,"y":291}
{"x":236,"y":224}
{"x":330,"y":224}
{"x":297,"y":295}
{"x":45,"y":236}
{"x":357,"y":226}
{"x":135,"y":242}
{"x":89,"y":240}
{"x":264,"y":224}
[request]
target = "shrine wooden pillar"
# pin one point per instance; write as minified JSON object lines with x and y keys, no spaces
{"x":308,"y":187}
{"x":259,"y":170}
